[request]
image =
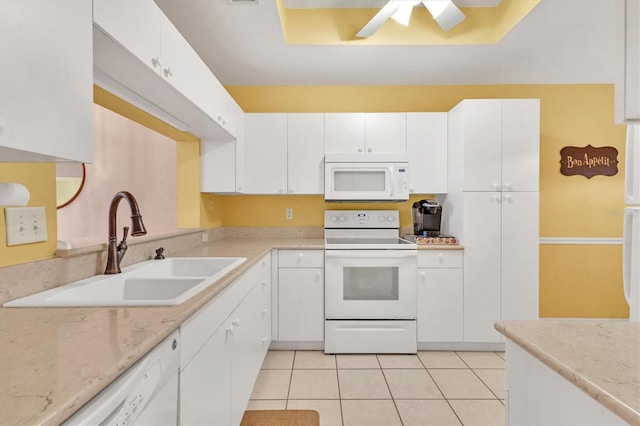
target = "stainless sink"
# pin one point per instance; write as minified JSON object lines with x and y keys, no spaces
{"x":166,"y":282}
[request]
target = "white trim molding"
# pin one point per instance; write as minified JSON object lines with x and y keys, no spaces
{"x":579,"y":240}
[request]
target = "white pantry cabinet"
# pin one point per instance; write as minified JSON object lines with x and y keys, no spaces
{"x":366,"y":133}
{"x":440,"y":296}
{"x":224,"y":345}
{"x":497,"y":145}
{"x":427,"y":152}
{"x":500,"y":235}
{"x":300,"y":296}
{"x":140,"y":56}
{"x":46,"y":86}
{"x":492,"y":207}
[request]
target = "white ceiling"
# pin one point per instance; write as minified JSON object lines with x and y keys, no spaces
{"x":558,"y":42}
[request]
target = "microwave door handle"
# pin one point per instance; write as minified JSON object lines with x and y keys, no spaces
{"x":396,"y":254}
{"x":392,"y":182}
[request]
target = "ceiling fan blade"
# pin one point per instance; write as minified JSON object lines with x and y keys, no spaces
{"x":445,"y":12}
{"x":380,"y":18}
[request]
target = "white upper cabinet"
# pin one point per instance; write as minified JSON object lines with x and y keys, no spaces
{"x":370,"y":133}
{"x":427,"y":152}
{"x":140,"y":56}
{"x":214,"y":99}
{"x":305,"y":153}
{"x":495,"y":143}
{"x":177,"y":59}
{"x":265,"y":154}
{"x":46,"y":85}
{"x":122,"y":20}
{"x":627,"y":93}
{"x":344,"y":133}
{"x":283,"y":154}
{"x":385,"y":132}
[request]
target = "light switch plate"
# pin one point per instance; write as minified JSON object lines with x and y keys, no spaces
{"x":25,"y":225}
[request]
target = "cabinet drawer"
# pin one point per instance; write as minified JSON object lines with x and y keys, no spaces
{"x":440,"y":259}
{"x":300,"y":258}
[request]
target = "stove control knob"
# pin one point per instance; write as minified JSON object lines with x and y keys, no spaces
{"x":342,"y":218}
{"x":333,"y":218}
{"x":389,"y":218}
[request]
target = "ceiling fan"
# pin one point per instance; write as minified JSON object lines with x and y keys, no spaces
{"x":445,"y":12}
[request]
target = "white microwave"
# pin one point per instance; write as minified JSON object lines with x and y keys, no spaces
{"x":366,"y":181}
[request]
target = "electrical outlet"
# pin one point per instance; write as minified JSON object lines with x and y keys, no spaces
{"x":205,"y":237}
{"x":288,"y":214}
{"x":25,"y":225}
{"x":209,"y":206}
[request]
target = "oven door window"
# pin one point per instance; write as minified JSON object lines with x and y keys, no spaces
{"x":370,"y":283}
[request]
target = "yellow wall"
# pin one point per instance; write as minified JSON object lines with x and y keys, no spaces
{"x":40,"y":180}
{"x":573,"y":206}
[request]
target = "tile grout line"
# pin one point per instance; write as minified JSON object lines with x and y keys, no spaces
{"x":440,"y":390}
{"x":389,"y":388}
{"x":339,"y":392}
{"x":293,"y":363}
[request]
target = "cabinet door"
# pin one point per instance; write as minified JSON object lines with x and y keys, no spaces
{"x":482,"y":252}
{"x":246,"y":352}
{"x":301,"y":304}
{"x":386,"y":132}
{"x":440,"y":301}
{"x":427,"y":152}
{"x":344,"y":133}
{"x":122,"y":21}
{"x":482,"y":144}
{"x":305,"y":157}
{"x":265,"y":153}
{"x":520,"y":145}
{"x":217,"y":166}
{"x":178,"y":59}
{"x":209,"y":97}
{"x":520,"y":253}
{"x":205,"y":383}
{"x":46,"y":80}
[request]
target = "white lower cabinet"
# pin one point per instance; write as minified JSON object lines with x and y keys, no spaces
{"x":300,"y":295}
{"x":440,"y":296}
{"x":224,"y":345}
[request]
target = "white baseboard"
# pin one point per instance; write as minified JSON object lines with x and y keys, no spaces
{"x":578,"y":240}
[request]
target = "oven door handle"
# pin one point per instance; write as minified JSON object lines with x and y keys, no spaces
{"x":371,"y":254}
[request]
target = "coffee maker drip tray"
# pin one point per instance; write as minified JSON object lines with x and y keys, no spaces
{"x":431,"y":240}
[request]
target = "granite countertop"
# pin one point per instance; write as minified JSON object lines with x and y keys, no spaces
{"x":600,"y":357}
{"x":54,"y":360}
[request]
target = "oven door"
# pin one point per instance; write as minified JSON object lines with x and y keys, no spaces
{"x":370,"y":284}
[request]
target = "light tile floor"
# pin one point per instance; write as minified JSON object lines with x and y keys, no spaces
{"x":430,"y":388}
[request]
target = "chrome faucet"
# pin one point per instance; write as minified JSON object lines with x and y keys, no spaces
{"x":115,"y":252}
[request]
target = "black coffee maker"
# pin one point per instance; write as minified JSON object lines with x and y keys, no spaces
{"x":426,"y":218}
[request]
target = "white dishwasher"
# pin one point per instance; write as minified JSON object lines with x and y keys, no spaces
{"x":145,"y":394}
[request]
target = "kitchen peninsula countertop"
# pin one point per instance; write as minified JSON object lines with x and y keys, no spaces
{"x":602,"y":358}
{"x":54,"y":360}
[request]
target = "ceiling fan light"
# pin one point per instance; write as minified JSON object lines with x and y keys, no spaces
{"x":446,"y":14}
{"x":403,"y":13}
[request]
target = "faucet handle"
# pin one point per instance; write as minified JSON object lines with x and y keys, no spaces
{"x":125,"y":232}
{"x":159,"y":253}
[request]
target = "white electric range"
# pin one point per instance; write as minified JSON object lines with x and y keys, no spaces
{"x":370,"y":283}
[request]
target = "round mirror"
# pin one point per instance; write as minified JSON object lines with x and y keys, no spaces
{"x":69,"y":182}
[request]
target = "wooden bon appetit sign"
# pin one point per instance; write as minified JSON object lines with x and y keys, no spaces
{"x":589,"y":161}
